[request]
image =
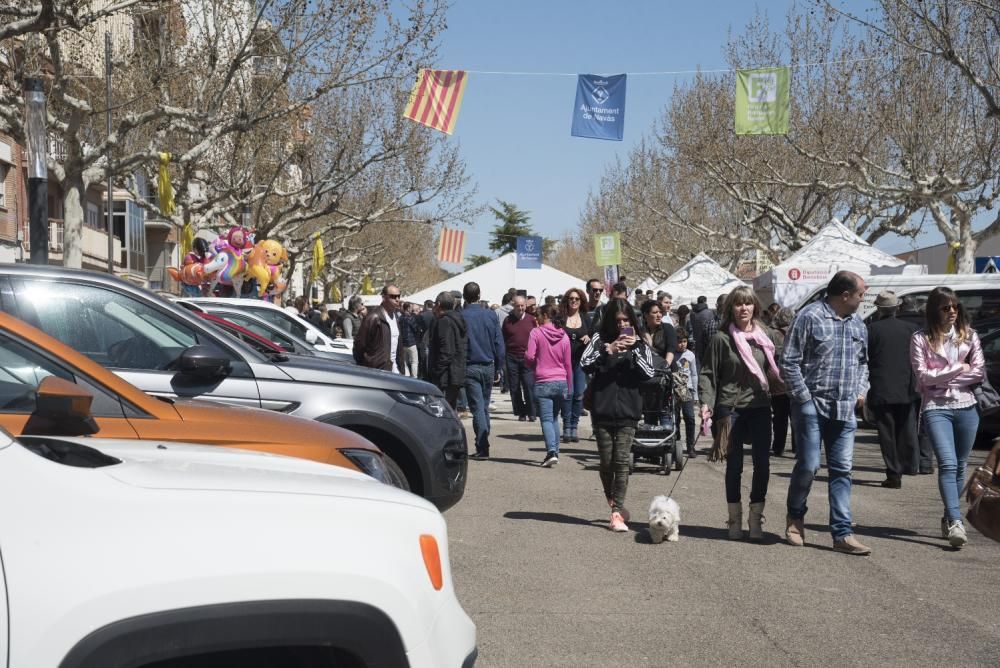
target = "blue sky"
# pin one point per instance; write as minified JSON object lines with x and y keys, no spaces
{"x":514,"y":129}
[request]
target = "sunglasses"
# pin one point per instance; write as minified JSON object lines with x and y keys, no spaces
{"x":394,"y":296}
{"x":573,"y":299}
{"x":597,"y":289}
{"x":949,"y":307}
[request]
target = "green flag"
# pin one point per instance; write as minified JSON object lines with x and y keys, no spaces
{"x":762,"y":101}
{"x":608,"y":249}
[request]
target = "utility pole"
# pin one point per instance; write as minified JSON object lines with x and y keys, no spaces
{"x":38,"y":172}
{"x":110,"y":204}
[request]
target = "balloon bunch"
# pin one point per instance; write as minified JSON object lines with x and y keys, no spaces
{"x":231,"y":261}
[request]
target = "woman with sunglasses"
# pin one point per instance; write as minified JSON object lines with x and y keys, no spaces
{"x":947,"y":360}
{"x":573,"y":308}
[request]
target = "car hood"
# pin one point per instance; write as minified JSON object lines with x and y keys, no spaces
{"x":320,"y":370}
{"x":183,"y":466}
{"x":270,"y":425}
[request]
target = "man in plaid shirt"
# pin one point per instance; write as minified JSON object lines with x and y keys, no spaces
{"x":825,"y":369}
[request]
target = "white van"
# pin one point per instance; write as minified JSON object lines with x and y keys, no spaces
{"x":980,"y":293}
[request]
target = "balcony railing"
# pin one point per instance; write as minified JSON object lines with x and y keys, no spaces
{"x":94,"y":242}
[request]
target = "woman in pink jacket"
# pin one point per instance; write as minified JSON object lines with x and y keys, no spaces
{"x":548,"y":354}
{"x":947,"y":361}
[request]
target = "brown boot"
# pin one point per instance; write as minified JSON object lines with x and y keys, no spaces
{"x":795,"y":531}
{"x":735,"y":522}
{"x":756,"y":521}
{"x":850,"y":545}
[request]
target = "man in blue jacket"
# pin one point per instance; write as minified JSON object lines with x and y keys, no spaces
{"x":486,"y":354}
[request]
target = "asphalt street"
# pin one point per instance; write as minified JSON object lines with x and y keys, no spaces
{"x":548,"y":584}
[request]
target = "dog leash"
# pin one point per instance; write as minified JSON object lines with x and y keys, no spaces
{"x":670,"y":494}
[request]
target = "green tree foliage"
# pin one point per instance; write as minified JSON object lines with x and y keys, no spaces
{"x":513,"y":224}
{"x":476,"y":261}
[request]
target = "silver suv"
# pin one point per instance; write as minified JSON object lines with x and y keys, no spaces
{"x":148,"y":341}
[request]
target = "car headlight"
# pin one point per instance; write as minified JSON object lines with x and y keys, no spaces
{"x":368,"y":461}
{"x":436,"y":406}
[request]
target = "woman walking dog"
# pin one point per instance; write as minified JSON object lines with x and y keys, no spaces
{"x":620,"y":361}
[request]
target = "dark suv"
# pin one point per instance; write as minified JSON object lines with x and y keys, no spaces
{"x":148,"y":341}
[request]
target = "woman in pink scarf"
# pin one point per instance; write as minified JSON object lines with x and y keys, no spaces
{"x":738,"y":375}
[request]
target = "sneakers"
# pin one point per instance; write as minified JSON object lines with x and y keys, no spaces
{"x":617,"y":523}
{"x":626,"y":515}
{"x":551,"y":459}
{"x":795,"y":531}
{"x":956,"y":534}
{"x":850,"y":545}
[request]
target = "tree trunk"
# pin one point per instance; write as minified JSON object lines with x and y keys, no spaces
{"x":74,"y":212}
{"x":966,"y":260}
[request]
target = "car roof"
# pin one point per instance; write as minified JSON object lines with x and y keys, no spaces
{"x":222,"y":322}
{"x":112,"y":382}
{"x":232,"y":301}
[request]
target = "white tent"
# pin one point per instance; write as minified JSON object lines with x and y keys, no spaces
{"x":700,"y":276}
{"x":499,"y":275}
{"x":834,"y":248}
{"x":648,"y":284}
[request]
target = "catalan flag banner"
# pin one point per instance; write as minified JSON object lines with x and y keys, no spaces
{"x":451,"y":246}
{"x":436,"y":99}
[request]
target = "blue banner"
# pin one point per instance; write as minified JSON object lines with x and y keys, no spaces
{"x":599,"y":111}
{"x":529,"y":252}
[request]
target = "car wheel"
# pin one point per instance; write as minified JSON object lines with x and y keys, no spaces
{"x":394,"y":475}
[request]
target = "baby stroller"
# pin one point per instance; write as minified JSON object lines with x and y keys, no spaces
{"x":655,"y":438}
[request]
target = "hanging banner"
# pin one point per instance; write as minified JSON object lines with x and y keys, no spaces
{"x":529,"y":252}
{"x":599,"y":110}
{"x":608,"y":249}
{"x":436,"y":99}
{"x":762,"y":101}
{"x":610,"y":278}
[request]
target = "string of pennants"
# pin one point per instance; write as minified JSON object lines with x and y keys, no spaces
{"x":762,"y":108}
{"x":762,"y":102}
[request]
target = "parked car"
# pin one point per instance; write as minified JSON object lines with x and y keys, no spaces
{"x":289,"y":342}
{"x":252,"y":339}
{"x":119,"y":554}
{"x":34,"y":367}
{"x":274,"y":314}
{"x":989,"y":425}
{"x":168,"y":351}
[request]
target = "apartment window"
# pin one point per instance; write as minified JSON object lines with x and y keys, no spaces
{"x":94,"y":216}
{"x":4,"y":168}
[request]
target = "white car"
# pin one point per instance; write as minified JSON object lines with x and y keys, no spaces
{"x":277,"y":316}
{"x":118,"y":554}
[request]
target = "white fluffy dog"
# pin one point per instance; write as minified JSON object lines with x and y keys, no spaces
{"x":664,"y":519}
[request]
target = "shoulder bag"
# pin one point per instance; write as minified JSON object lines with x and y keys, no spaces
{"x":982,"y":493}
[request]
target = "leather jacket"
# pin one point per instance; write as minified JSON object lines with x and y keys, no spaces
{"x":938,"y":377}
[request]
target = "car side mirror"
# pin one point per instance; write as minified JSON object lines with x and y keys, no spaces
{"x":62,"y":408}
{"x":311,"y":337}
{"x":203,"y":362}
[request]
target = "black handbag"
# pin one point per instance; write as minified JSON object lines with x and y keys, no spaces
{"x":987,"y":399}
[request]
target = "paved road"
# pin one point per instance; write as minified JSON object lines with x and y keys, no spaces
{"x":548,"y":585}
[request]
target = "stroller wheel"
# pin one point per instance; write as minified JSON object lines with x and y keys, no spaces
{"x":678,"y":454}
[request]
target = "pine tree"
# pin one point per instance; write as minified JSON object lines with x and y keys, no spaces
{"x":513,"y":224}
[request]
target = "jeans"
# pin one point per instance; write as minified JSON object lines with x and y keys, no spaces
{"x":549,"y":398}
{"x":520,"y":381}
{"x":754,"y":423}
{"x":952,"y":433}
{"x":410,"y":361}
{"x":615,"y":448}
{"x":685,"y":409}
{"x":923,"y":459}
{"x":573,"y":407}
{"x":812,"y":431}
{"x":478,"y":387}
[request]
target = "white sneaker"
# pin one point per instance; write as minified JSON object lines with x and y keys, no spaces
{"x":956,"y":534}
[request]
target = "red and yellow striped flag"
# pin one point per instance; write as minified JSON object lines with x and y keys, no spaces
{"x":451,"y":246}
{"x":436,"y":99}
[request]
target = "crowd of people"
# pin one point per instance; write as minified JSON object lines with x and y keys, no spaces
{"x":754,"y":372}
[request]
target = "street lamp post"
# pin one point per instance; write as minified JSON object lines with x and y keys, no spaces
{"x":38,"y":173}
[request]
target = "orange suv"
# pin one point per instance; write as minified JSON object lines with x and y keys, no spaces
{"x":31,"y":362}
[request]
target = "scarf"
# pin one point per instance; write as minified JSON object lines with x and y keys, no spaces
{"x":758,"y":336}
